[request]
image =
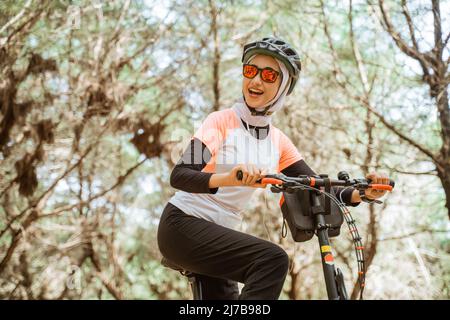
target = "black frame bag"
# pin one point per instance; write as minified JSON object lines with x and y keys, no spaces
{"x":297,"y":212}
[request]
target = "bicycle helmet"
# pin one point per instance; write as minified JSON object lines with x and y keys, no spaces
{"x":279,"y":49}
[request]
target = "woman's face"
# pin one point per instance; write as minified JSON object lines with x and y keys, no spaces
{"x":257,"y":92}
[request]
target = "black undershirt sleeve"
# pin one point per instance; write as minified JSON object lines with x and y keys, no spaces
{"x":301,"y":168}
{"x":187,"y":174}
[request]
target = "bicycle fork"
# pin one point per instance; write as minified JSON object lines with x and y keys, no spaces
{"x":334,"y":279}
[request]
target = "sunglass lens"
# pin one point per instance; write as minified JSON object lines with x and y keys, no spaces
{"x":250,"y":71}
{"x":269,"y":75}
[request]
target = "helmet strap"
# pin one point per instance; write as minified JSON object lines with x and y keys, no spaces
{"x":262,"y":113}
{"x":255,"y":112}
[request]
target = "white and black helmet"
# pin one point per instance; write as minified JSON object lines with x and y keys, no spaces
{"x":279,"y":49}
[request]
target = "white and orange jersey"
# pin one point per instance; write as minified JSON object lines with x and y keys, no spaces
{"x":231,"y":144}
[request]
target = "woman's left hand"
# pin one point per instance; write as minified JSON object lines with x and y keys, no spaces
{"x":376,"y":178}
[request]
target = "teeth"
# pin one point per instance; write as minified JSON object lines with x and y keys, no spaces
{"x":255,"y":91}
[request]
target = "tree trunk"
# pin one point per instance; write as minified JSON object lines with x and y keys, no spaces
{"x":444,"y":175}
{"x":443,"y":168}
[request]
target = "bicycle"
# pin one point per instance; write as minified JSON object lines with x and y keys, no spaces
{"x":309,"y":207}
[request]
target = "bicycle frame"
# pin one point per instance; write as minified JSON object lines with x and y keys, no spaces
{"x":334,"y":279}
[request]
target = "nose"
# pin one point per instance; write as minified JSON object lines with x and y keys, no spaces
{"x":257,"y":79}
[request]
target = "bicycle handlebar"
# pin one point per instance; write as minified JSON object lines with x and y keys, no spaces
{"x":281,"y":182}
{"x":318,"y":181}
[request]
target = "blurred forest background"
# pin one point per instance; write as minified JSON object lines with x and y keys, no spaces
{"x":99,"y":98}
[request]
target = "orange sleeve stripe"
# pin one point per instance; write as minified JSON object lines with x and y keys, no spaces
{"x":287,"y":151}
{"x":213,"y":132}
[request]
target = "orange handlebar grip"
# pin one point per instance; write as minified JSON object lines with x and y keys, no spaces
{"x":271,"y":181}
{"x":380,"y":187}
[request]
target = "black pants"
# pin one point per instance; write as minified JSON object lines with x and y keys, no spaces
{"x":222,"y":257}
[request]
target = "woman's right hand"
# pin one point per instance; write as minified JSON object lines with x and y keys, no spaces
{"x":250,"y":174}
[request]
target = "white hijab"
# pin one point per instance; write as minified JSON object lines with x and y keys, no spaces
{"x":277,"y":102}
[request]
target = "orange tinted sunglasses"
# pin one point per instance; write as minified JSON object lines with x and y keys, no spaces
{"x":267,"y":74}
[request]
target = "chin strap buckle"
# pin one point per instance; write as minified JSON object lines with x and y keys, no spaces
{"x":263,"y":113}
{"x":260,"y":113}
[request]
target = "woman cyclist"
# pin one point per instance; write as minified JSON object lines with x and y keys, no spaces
{"x":198,"y":227}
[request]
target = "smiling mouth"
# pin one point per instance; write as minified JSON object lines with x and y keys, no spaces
{"x":255,"y":92}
